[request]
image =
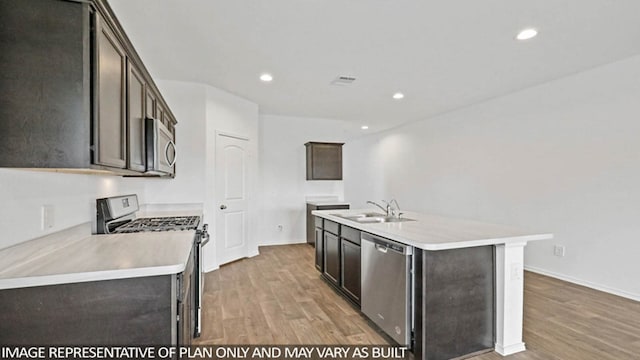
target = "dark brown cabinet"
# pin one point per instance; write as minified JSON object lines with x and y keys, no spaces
{"x":331,"y":248}
{"x":110,"y":136}
{"x":136,"y":95}
{"x":311,"y":238}
{"x":160,"y":113}
{"x":324,"y":160}
{"x":73,"y":90}
{"x":319,"y":249}
{"x":338,"y":256}
{"x":151,"y":104}
{"x":350,"y":262}
{"x":44,"y":84}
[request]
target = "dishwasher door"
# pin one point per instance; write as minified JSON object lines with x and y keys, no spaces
{"x":386,"y":286}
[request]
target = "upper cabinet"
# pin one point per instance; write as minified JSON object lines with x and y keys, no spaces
{"x":110,"y":81}
{"x":136,"y":114}
{"x":324,"y":161}
{"x":74,"y":93}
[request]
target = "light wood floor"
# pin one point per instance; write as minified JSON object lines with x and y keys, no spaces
{"x":279,"y":298}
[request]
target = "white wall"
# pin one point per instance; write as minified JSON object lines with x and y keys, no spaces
{"x":283,"y":175}
{"x":72,"y":197}
{"x":202,"y":110}
{"x":188,"y":103}
{"x":563,"y":157}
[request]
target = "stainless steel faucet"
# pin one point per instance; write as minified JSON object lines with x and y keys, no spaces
{"x":386,"y":210}
{"x":389,"y":209}
{"x":395,"y":211}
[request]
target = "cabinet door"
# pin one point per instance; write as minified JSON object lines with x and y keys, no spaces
{"x":324,"y":161}
{"x":331,"y":257}
{"x":350,"y":265}
{"x":160,"y":112}
{"x":319,"y":250}
{"x":136,"y":96}
{"x":150,"y":104}
{"x":110,"y":130}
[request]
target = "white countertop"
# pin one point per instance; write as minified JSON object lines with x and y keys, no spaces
{"x":433,"y":232}
{"x":70,"y":259}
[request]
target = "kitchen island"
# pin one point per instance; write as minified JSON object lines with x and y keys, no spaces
{"x":76,"y":288}
{"x":460,"y":266}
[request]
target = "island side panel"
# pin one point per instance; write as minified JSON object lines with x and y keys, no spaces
{"x":509,"y":298}
{"x":125,"y":311}
{"x":454,"y":302}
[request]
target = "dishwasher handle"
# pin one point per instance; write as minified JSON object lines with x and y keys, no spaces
{"x":382,"y":249}
{"x":385,"y":245}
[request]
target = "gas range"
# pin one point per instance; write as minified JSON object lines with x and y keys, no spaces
{"x":116,"y":215}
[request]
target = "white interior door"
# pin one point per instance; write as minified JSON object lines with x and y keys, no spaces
{"x":231,"y":195}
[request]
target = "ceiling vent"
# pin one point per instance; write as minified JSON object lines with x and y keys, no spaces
{"x":343,"y":80}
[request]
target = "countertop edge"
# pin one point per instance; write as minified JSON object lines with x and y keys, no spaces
{"x":72,"y":278}
{"x":436,"y":246}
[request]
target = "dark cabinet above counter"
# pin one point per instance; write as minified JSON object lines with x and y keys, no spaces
{"x":74,"y":94}
{"x":324,"y":160}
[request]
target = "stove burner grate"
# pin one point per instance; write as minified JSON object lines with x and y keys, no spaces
{"x":160,"y":224}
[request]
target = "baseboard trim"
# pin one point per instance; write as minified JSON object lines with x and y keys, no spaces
{"x":588,"y":284}
{"x":213,"y":268}
{"x":294,"y":242}
{"x":510,"y":349}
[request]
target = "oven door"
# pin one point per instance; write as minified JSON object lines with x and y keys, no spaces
{"x":160,"y":148}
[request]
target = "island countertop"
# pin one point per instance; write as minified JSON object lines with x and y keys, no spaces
{"x":434,"y":232}
{"x":95,"y":257}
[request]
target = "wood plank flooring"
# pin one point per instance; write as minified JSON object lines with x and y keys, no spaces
{"x":279,"y":298}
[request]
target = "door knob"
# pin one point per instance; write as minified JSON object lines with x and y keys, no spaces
{"x":223,"y":206}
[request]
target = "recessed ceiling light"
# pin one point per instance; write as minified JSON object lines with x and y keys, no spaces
{"x":266,"y":77}
{"x":527,"y":34}
{"x":364,"y":127}
{"x":398,"y":96}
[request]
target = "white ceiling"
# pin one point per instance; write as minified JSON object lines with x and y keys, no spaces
{"x":442,"y":54}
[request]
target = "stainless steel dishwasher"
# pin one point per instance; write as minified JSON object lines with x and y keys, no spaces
{"x":386,"y":286}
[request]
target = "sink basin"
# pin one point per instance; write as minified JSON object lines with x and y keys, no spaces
{"x":372,"y":218}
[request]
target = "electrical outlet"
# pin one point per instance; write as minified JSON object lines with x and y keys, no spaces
{"x":48,"y":219}
{"x":558,"y":250}
{"x":279,"y":227}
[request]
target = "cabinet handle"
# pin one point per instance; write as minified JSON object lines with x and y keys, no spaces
{"x":175,"y":153}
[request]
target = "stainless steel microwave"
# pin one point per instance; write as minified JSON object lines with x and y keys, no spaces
{"x":160,"y":148}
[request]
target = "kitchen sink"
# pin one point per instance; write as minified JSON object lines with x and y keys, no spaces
{"x":372,"y":218}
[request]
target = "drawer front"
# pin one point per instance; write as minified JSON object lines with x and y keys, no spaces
{"x":331,"y":227}
{"x":319,"y":222}
{"x":350,"y":234}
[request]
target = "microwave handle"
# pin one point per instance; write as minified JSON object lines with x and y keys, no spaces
{"x":175,"y":153}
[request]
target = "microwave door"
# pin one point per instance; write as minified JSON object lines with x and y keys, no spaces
{"x":166,"y":150}
{"x":161,"y":149}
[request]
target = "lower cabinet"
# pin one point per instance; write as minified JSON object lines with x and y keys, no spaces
{"x":331,"y":257}
{"x":338,"y":257}
{"x":319,"y":245}
{"x":350,"y":265}
{"x":314,"y":222}
{"x":153,"y":310}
